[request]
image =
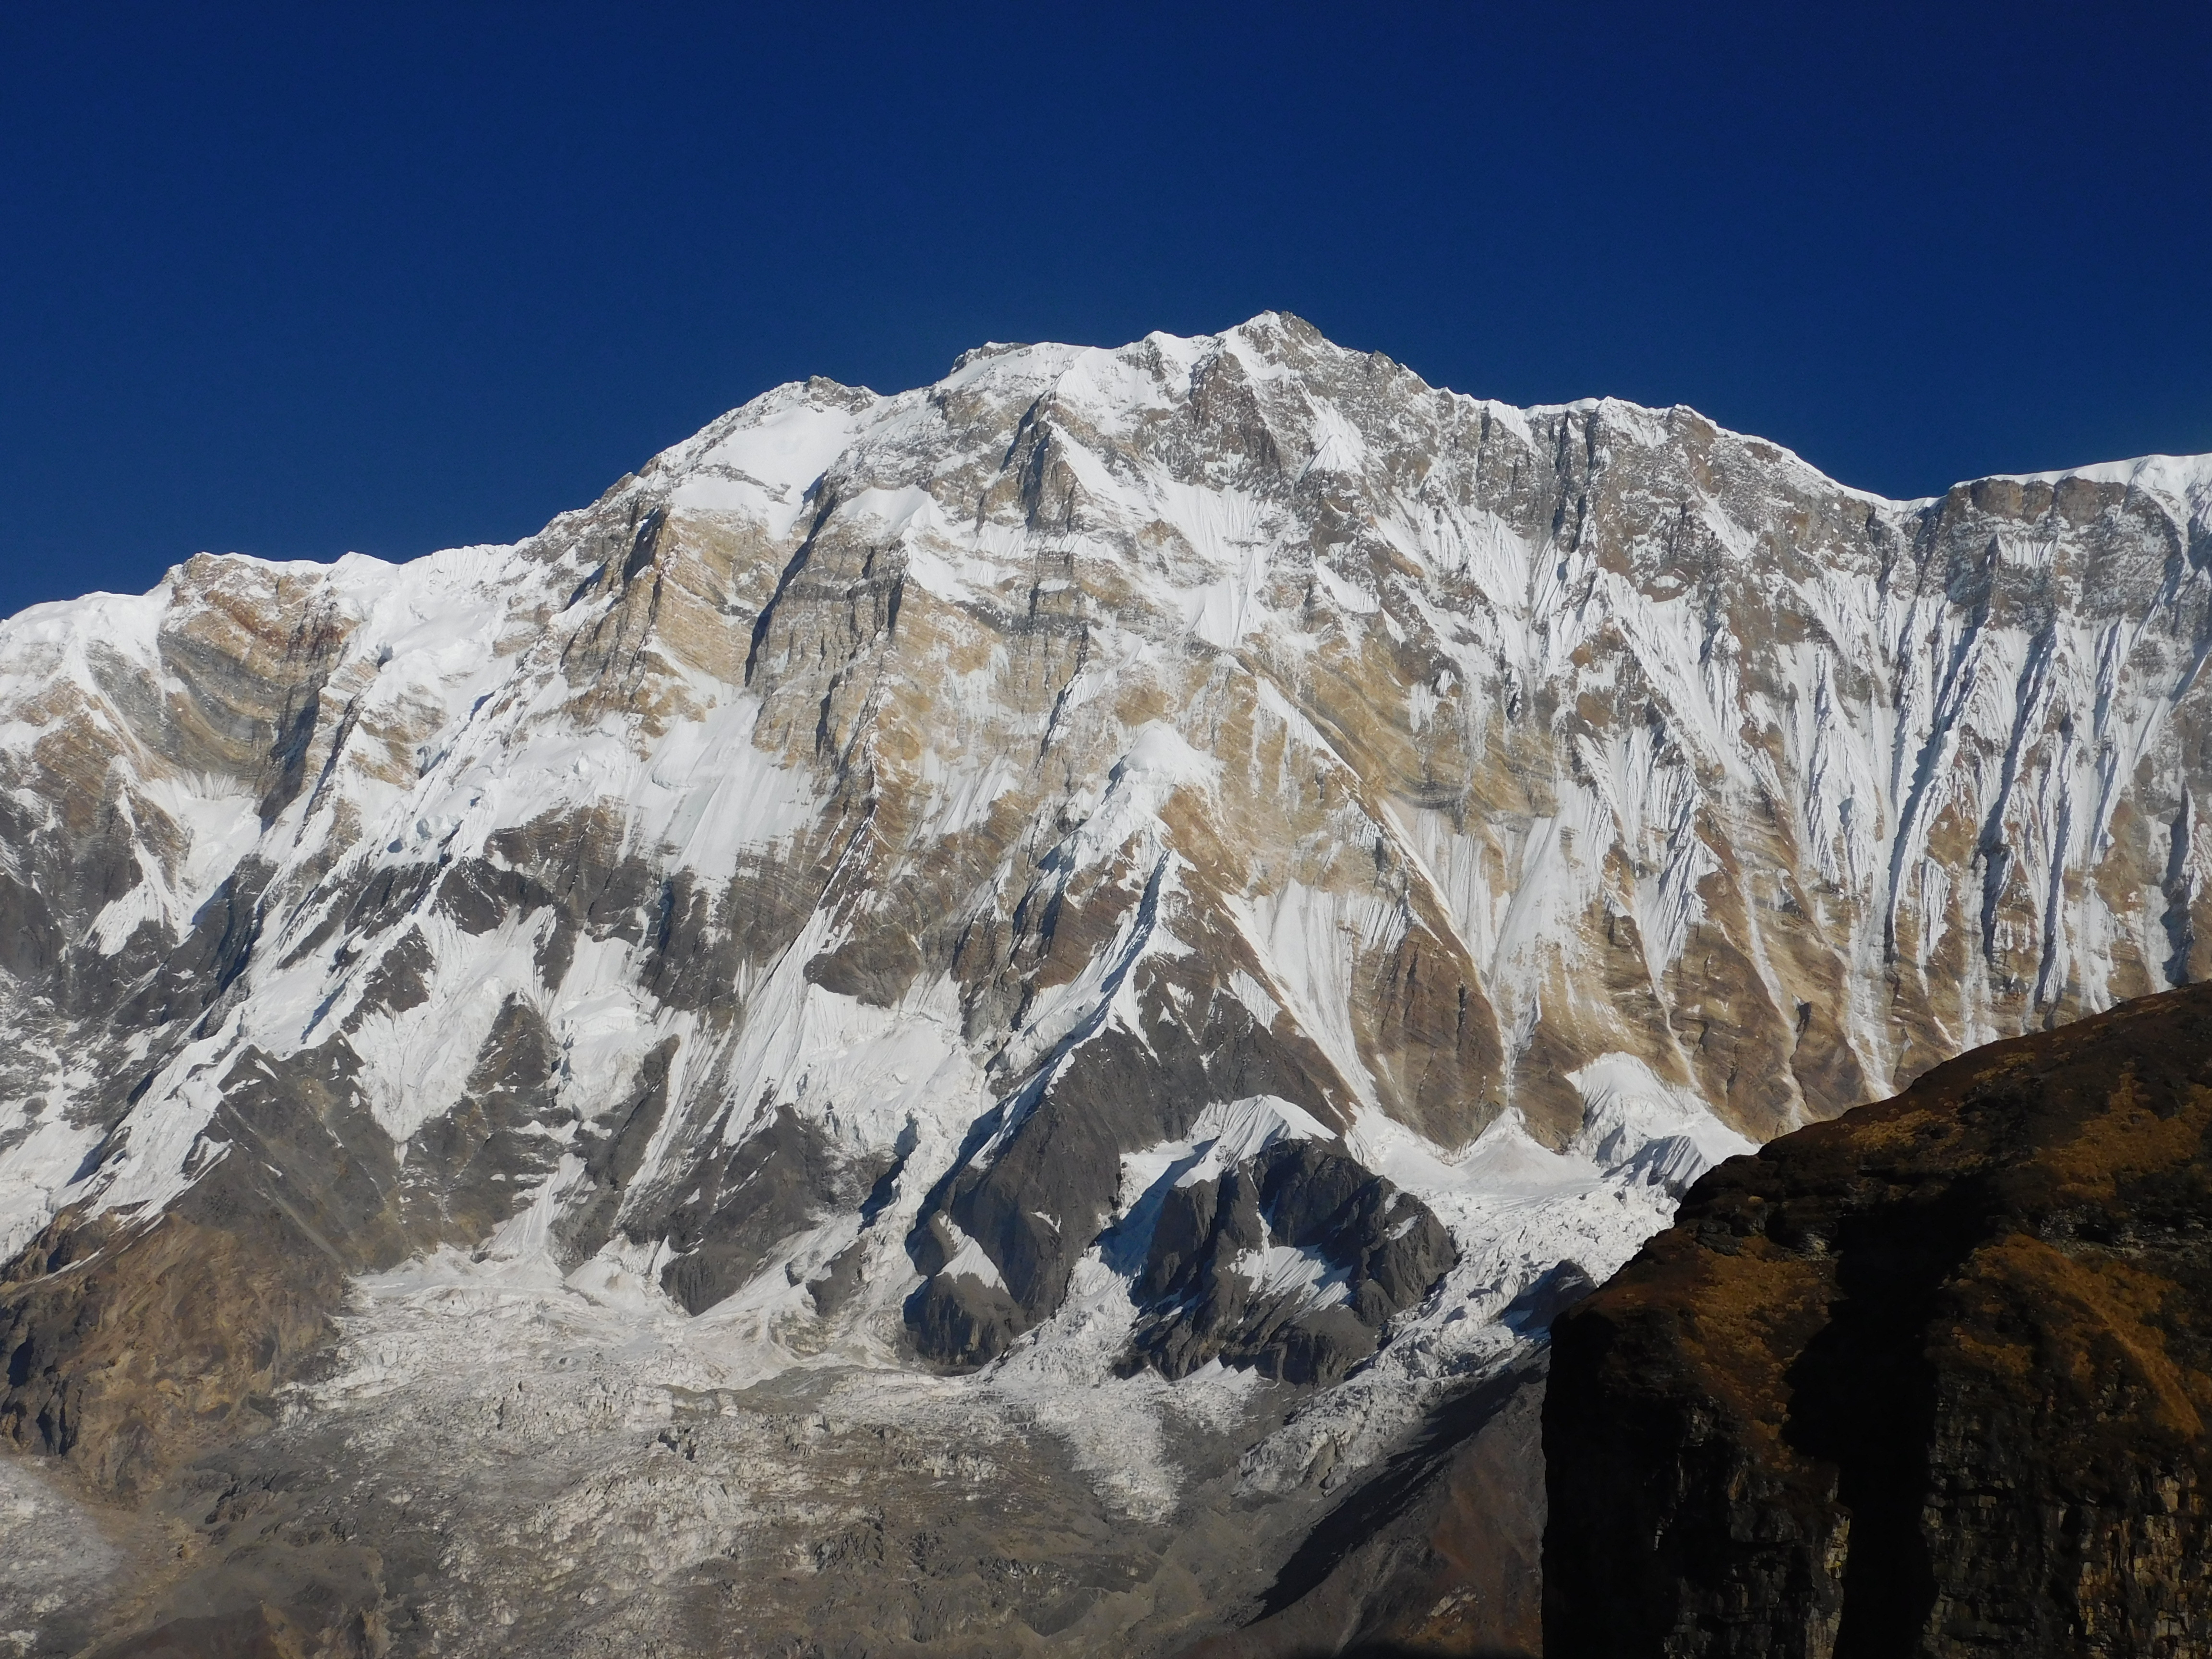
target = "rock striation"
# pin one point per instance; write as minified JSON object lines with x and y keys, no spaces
{"x":1932,"y":1378}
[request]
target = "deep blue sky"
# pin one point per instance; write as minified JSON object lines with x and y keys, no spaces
{"x":298,"y":279}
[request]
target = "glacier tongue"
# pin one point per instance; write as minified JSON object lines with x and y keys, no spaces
{"x":1180,"y":896}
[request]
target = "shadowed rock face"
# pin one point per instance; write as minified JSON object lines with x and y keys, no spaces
{"x":1933,"y":1378}
{"x":1213,"y":1284}
{"x":1436,"y":1554}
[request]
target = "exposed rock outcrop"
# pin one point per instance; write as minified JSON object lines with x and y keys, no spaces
{"x":129,"y":1344}
{"x":1293,"y":1262}
{"x":1933,"y":1378}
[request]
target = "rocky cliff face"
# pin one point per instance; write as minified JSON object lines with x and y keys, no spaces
{"x":1932,"y":1379}
{"x":1154,"y":873}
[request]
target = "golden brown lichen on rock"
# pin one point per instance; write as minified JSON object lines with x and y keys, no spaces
{"x":1931,"y":1378}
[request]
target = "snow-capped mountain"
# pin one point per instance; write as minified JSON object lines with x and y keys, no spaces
{"x":1159,"y":873}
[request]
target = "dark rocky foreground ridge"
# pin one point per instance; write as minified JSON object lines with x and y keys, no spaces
{"x":1931,"y":1378}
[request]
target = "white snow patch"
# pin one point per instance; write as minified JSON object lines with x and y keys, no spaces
{"x":1255,"y":997}
{"x":779,"y":445}
{"x":969,"y":1258}
{"x":1634,"y":1124}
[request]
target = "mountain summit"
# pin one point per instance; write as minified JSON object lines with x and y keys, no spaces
{"x":1159,"y":896}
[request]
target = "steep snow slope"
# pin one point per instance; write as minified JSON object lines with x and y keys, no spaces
{"x":1200,"y":859}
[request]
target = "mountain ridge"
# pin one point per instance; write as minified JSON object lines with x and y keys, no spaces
{"x":1188,"y":879}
